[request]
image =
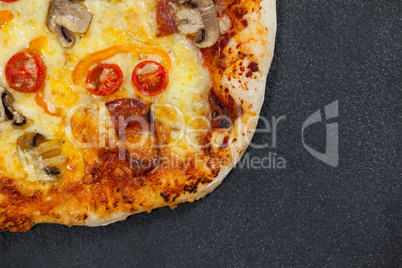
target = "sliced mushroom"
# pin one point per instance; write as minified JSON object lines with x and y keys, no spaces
{"x":44,"y":155}
{"x":189,"y":21}
{"x":30,"y":140}
{"x":66,"y":18}
{"x":9,"y":110}
{"x":55,"y":171}
{"x":199,"y":19}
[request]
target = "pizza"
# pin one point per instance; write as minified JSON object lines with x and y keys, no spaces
{"x":114,"y":107}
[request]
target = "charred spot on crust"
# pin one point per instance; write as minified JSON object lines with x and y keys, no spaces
{"x":253,"y":66}
{"x":170,"y":194}
{"x":190,"y":188}
{"x":166,"y":198}
{"x":127,"y":200}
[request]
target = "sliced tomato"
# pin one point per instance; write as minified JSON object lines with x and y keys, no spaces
{"x":104,"y":79}
{"x":9,"y":1}
{"x":150,"y":78}
{"x":26,"y":72}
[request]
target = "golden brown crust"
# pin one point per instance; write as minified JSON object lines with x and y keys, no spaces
{"x":111,"y":189}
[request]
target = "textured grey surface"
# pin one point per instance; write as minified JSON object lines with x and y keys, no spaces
{"x":308,"y":214}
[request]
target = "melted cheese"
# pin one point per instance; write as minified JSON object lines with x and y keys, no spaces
{"x":113,"y":22}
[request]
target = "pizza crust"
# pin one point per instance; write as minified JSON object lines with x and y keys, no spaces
{"x":255,"y":93}
{"x":254,"y":96}
{"x":247,"y":87}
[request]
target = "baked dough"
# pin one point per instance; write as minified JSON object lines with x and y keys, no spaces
{"x":94,"y":185}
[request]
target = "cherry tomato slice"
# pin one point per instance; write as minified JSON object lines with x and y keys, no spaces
{"x":104,"y":79}
{"x":150,"y":78}
{"x":26,"y":72}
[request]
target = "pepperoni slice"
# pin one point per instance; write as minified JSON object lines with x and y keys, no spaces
{"x":125,"y":114}
{"x":165,"y":19}
{"x":26,"y":72}
{"x":150,"y":78}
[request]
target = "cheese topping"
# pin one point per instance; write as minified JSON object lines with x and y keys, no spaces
{"x":114,"y":22}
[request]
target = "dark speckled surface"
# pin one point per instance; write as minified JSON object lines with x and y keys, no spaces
{"x":309,"y":214}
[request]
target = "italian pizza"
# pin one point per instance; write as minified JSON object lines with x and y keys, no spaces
{"x":114,"y":107}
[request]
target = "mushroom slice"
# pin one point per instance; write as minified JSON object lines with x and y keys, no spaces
{"x":210,"y":34}
{"x":30,"y":140}
{"x":42,"y":154}
{"x":189,"y":21}
{"x":199,"y":19}
{"x":9,"y":110}
{"x":52,"y":171}
{"x":66,"y":18}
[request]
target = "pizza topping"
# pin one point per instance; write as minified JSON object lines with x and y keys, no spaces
{"x":10,"y":112}
{"x":225,"y":24}
{"x":199,"y":19}
{"x":38,"y":45}
{"x":150,"y":78}
{"x":130,"y":118}
{"x":80,"y":71}
{"x":55,"y":171}
{"x":43,"y":154}
{"x":26,"y":72}
{"x":220,"y":116}
{"x":30,"y":140}
{"x":9,"y":1}
{"x":127,"y":113}
{"x":164,"y":17}
{"x":190,"y":21}
{"x":119,"y":164}
{"x":5,"y":17}
{"x":66,"y":18}
{"x":40,"y":101}
{"x":104,"y":79}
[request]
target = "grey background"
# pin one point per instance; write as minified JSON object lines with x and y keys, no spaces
{"x":308,"y":214}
